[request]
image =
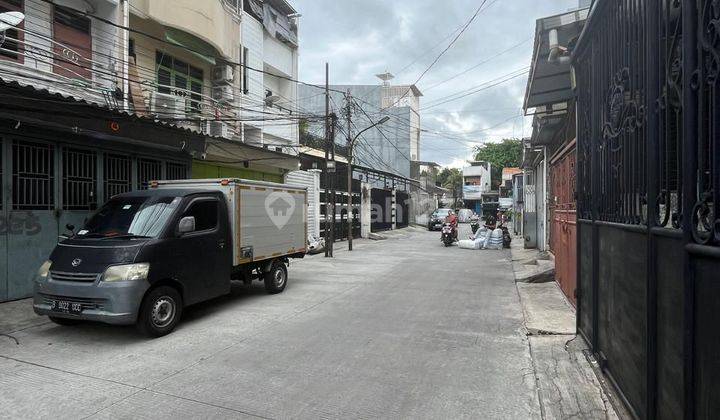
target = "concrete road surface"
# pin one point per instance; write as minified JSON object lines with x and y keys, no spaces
{"x":400,"y":328}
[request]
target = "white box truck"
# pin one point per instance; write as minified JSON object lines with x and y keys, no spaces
{"x":145,"y":255}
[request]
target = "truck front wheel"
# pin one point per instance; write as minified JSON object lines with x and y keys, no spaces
{"x":160,"y":311}
{"x":276,"y":278}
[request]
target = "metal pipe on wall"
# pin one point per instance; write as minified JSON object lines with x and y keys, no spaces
{"x":545,"y":199}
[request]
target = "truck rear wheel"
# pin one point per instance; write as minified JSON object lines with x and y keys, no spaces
{"x":276,"y":278}
{"x":160,"y":312}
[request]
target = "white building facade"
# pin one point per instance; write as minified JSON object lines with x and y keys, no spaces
{"x":476,"y":182}
{"x":269,"y":42}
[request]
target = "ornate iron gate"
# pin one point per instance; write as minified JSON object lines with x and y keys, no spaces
{"x":647,"y":76}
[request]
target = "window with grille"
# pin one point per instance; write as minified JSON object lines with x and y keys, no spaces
{"x":12,"y":47}
{"x":117,"y":175}
{"x":33,"y":176}
{"x":176,"y":171}
{"x":79,"y":179}
{"x":148,"y":170}
{"x":179,"y":78}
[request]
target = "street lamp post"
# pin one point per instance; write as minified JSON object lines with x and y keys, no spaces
{"x":351,"y":145}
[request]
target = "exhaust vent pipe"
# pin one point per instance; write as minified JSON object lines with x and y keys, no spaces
{"x":558,"y":53}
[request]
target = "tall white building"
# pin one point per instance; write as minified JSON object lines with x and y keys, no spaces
{"x":269,"y":41}
{"x":394,"y":146}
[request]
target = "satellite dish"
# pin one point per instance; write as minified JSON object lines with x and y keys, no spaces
{"x":10,"y":20}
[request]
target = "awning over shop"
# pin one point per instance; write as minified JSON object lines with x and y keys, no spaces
{"x":230,"y":152}
{"x":196,"y":46}
{"x":546,"y":129}
{"x":41,"y":108}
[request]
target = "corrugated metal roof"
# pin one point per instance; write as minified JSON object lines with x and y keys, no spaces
{"x":57,"y":95}
{"x":47,"y":94}
{"x":551,"y":83}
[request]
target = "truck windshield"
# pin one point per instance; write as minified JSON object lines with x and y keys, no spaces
{"x":130,"y":217}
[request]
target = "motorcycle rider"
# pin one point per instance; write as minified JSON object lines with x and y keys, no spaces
{"x":453,"y":220}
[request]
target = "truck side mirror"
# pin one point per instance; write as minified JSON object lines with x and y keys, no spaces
{"x":186,"y":224}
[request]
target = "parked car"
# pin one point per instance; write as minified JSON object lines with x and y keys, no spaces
{"x":437,"y":218}
{"x":146,"y":255}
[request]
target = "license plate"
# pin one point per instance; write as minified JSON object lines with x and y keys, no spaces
{"x":65,"y":306}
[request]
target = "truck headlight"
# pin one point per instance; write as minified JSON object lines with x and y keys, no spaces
{"x":44,"y":270}
{"x":128,"y":272}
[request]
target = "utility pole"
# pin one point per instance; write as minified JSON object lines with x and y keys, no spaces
{"x":348,"y":115}
{"x":333,"y":195}
{"x":350,"y":145}
{"x":124,"y":50}
{"x":327,"y":159}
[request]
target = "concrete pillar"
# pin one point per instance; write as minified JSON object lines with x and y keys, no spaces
{"x":365,"y":209}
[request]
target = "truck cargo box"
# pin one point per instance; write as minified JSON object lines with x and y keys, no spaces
{"x":268,"y":220}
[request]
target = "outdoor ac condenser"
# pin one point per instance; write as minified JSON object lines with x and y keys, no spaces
{"x":218,"y":129}
{"x":223,"y":74}
{"x":168,"y":106}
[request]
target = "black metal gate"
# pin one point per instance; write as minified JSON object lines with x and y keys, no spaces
{"x":338,"y":181}
{"x":381,"y":214}
{"x":648,"y":196}
{"x":402,"y":209}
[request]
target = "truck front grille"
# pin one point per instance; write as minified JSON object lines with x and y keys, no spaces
{"x":83,"y":277}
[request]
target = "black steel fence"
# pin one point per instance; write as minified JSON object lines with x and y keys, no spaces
{"x":382,"y":208}
{"x":402,"y":209}
{"x":647,"y":76}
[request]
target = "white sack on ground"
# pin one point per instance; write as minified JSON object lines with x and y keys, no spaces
{"x":469,"y":244}
{"x":495,"y":240}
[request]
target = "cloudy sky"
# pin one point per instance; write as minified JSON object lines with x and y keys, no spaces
{"x":360,"y":38}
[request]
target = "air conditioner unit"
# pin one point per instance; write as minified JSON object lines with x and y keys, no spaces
{"x":223,"y":93}
{"x":223,"y":74}
{"x":167,"y":106}
{"x":218,"y":129}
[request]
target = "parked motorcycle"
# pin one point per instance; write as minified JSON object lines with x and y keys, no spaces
{"x":507,"y":239}
{"x":448,"y":236}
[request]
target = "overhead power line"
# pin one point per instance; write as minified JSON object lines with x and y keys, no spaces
{"x":166,"y":42}
{"x":442,"y":53}
{"x":487,"y":60}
